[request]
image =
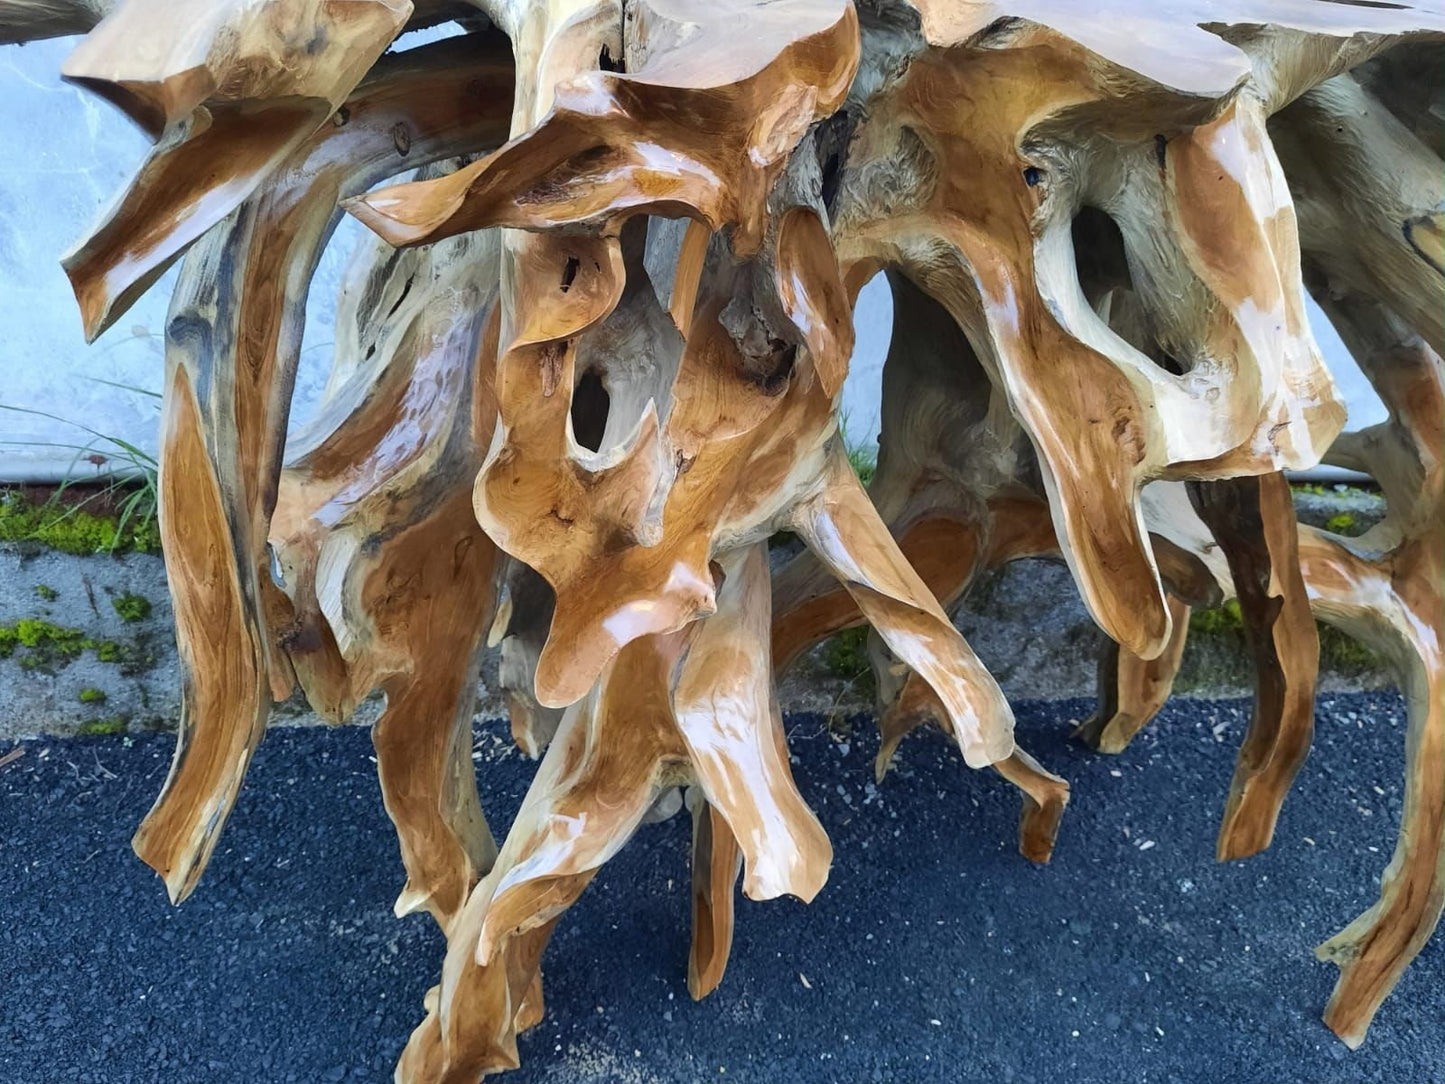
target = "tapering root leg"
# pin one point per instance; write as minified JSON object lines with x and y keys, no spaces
{"x":1253,"y":519}
{"x":474,"y":1016}
{"x":225,"y":691}
{"x":599,"y":777}
{"x":716,"y":862}
{"x":1044,"y":794}
{"x":1131,"y":689}
{"x":424,"y":761}
{"x":1044,"y":798}
{"x":1373,"y":951}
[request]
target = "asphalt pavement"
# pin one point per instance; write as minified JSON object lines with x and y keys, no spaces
{"x":935,"y":953}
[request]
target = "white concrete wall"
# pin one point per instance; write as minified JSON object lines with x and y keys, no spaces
{"x":68,"y":155}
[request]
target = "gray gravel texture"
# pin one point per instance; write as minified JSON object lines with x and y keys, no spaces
{"x":935,"y":953}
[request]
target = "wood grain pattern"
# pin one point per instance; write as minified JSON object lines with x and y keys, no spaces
{"x":235,"y":330}
{"x":602,"y":366}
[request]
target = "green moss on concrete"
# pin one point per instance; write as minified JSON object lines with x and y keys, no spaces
{"x":74,"y":530}
{"x":131,"y":607}
{"x":107,"y":650}
{"x":1224,"y":621}
{"x":1339,"y":489}
{"x":91,"y":696}
{"x":846,"y":656}
{"x":1217,"y":654}
{"x":46,"y":593}
{"x":48,"y":647}
{"x":1345,"y":523}
{"x":1346,"y":656}
{"x":111,"y":724}
{"x":47,"y":643}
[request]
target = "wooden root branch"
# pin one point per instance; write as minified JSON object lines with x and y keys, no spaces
{"x":233,"y":340}
{"x":604,"y":364}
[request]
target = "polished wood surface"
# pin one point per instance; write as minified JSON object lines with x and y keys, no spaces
{"x":593,"y":362}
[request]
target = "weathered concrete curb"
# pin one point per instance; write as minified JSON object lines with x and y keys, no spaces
{"x":1026,"y":623}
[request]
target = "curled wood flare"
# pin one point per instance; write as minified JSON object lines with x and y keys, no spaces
{"x":228,"y":91}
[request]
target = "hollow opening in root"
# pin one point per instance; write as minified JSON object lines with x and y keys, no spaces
{"x":590,"y":405}
{"x":1102,"y":262}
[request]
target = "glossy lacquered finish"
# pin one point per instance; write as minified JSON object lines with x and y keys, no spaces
{"x":602,"y":365}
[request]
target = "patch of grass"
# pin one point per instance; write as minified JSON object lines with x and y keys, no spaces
{"x":91,"y":696}
{"x":864,"y":459}
{"x":71,"y":529}
{"x":67,"y":525}
{"x":46,"y":593}
{"x":111,"y":724}
{"x":864,"y":463}
{"x":131,"y":607}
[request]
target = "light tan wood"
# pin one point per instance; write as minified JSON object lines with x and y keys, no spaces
{"x":35,"y":20}
{"x":233,"y":340}
{"x":228,"y":91}
{"x":388,"y":574}
{"x":603,"y":367}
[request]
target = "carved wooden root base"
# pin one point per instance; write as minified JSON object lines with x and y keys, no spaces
{"x":610,"y":368}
